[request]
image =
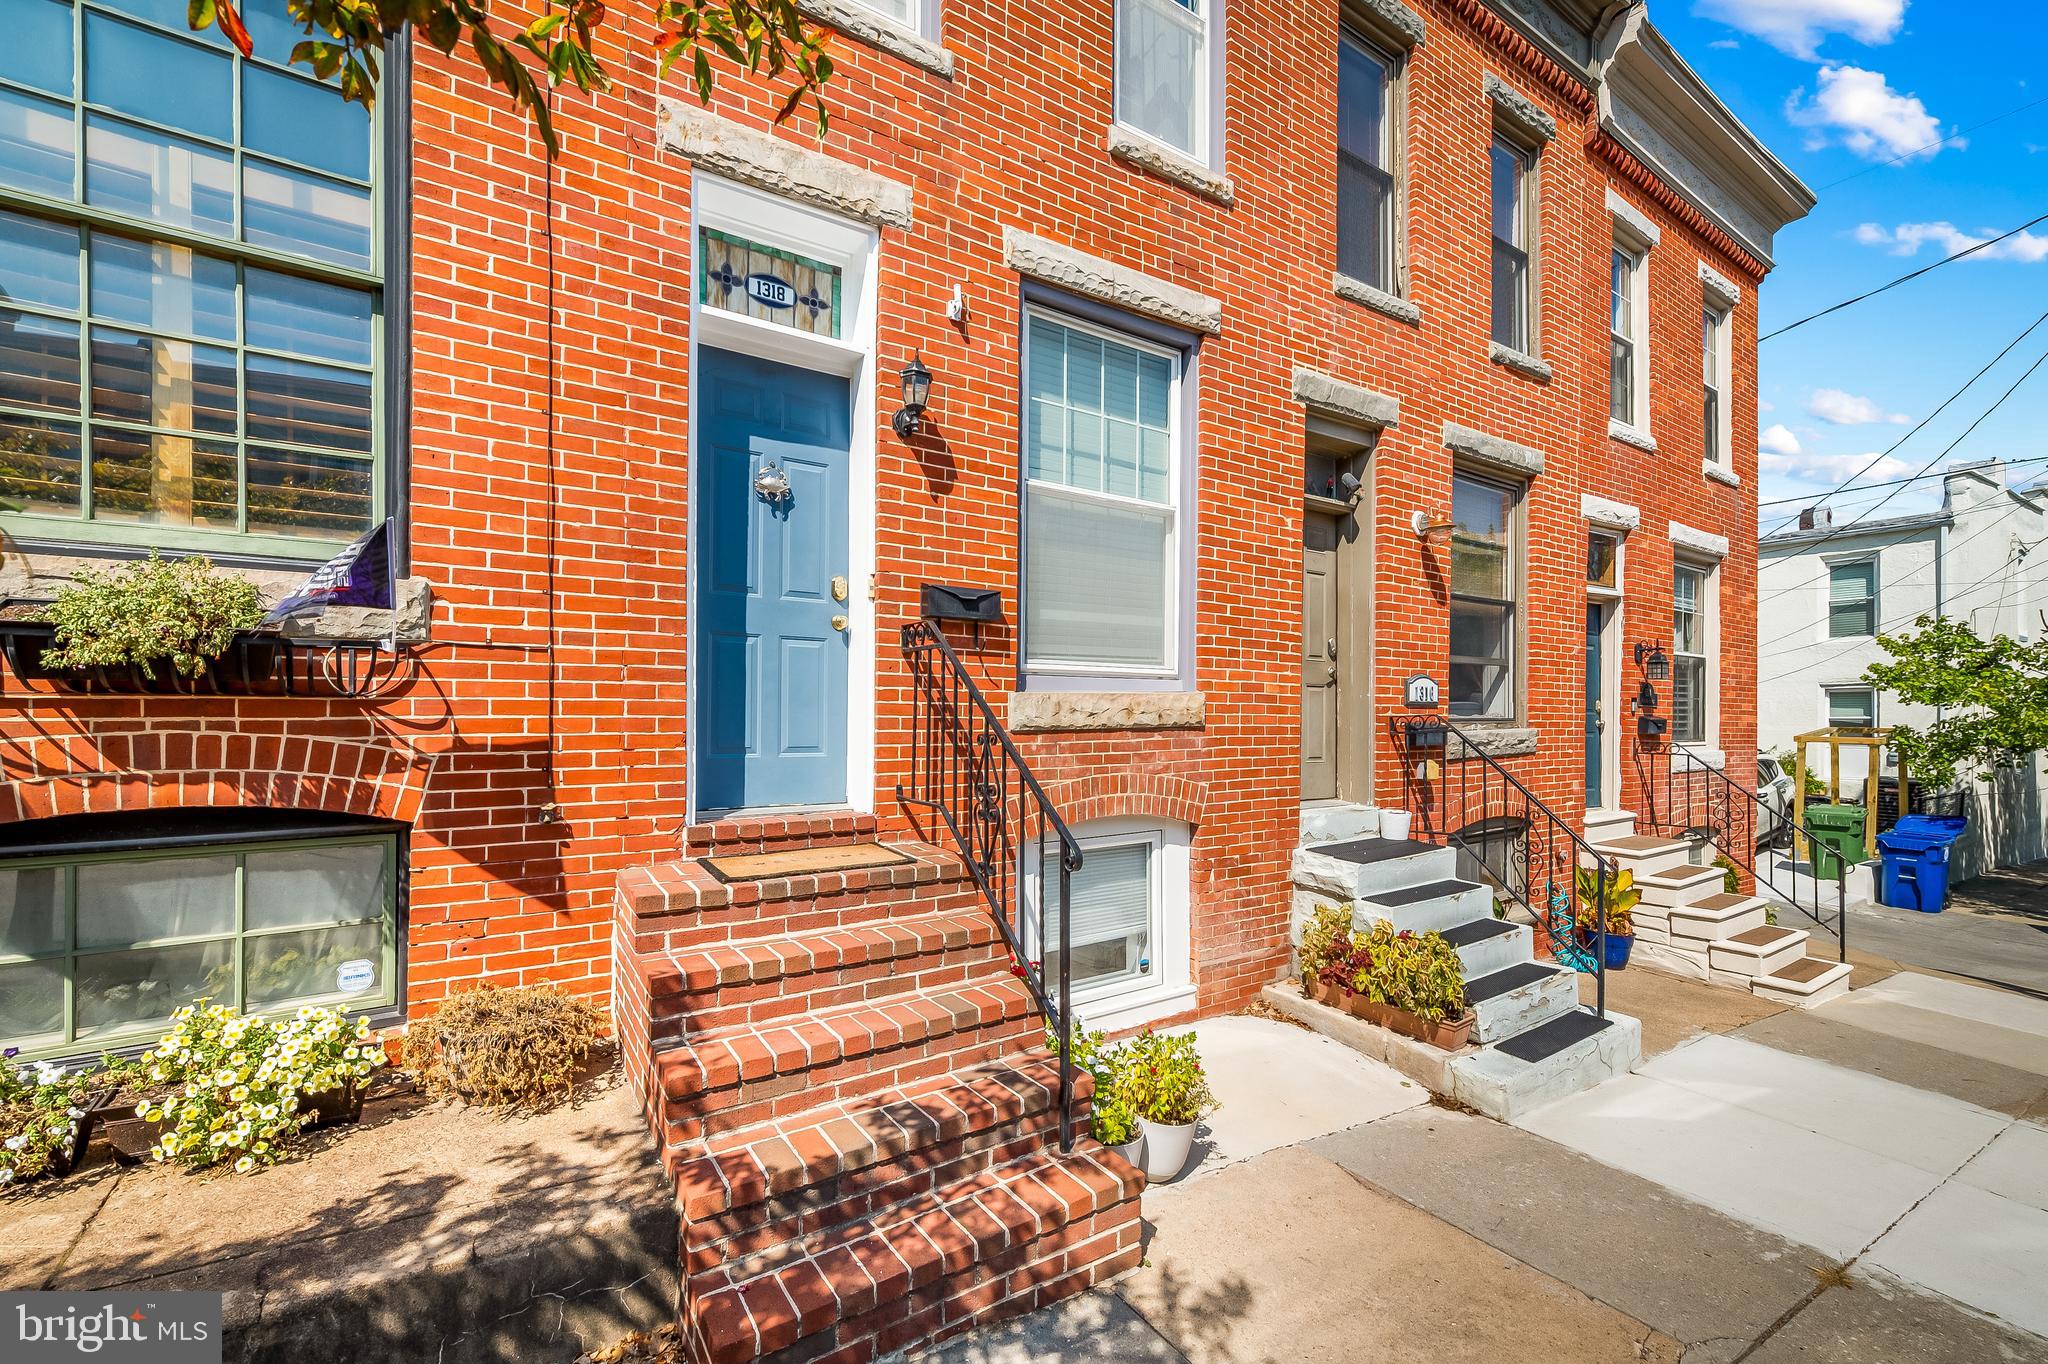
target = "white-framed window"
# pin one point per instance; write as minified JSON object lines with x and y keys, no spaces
{"x":1102,"y":479}
{"x":909,"y":13}
{"x":1162,"y":71}
{"x":1368,"y":199}
{"x":1692,"y":635}
{"x":1512,"y":209}
{"x":1855,"y":706}
{"x":1714,"y":422}
{"x":1128,"y":936}
{"x":1852,"y":599}
{"x":1483,"y":592}
{"x":1621,"y":328}
{"x":1603,"y":563}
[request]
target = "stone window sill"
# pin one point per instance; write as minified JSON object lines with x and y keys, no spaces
{"x":1719,"y":474}
{"x":1496,"y":738}
{"x":1135,"y":149}
{"x":1377,"y":299}
{"x":1052,"y":712}
{"x":1629,"y":434}
{"x":877,"y":30}
{"x":1520,"y":363}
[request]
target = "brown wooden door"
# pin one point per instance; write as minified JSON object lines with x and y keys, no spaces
{"x":1319,"y":617}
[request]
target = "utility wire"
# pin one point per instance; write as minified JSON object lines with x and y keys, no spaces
{"x":1902,"y":279}
{"x":1938,"y":142}
{"x":1922,"y":424}
{"x":2000,"y":402}
{"x":1847,"y":489}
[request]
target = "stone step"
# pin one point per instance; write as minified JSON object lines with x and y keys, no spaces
{"x":1680,"y":885}
{"x":1601,"y":825}
{"x":1714,"y":916}
{"x":1805,"y":983}
{"x":1433,"y":906}
{"x":998,"y":1244}
{"x":1338,"y":822}
{"x":1757,"y":952}
{"x":771,"y":1185}
{"x":1646,"y":853}
{"x":1570,"y":1053}
{"x":1355,"y":869}
{"x":736,"y":1077}
{"x":678,"y":905}
{"x":778,"y":833}
{"x":759,"y":980}
{"x":1488,"y":945}
{"x":1520,"y":997}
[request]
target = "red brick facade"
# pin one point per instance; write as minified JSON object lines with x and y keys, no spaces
{"x":556,"y":670}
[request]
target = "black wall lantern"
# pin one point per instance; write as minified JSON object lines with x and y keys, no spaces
{"x":917,"y":389}
{"x":1650,"y":658}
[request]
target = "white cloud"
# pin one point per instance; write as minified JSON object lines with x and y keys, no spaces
{"x":1860,"y":110}
{"x":1726,"y":44}
{"x":1835,"y":406}
{"x":2029,"y":248}
{"x":1797,"y":26}
{"x":1831,"y":469}
{"x":1777,"y":440}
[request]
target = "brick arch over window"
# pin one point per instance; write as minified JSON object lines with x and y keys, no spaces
{"x":1081,"y":799}
{"x":82,"y":773}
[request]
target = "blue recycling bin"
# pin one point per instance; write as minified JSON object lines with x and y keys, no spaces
{"x":1914,"y":871}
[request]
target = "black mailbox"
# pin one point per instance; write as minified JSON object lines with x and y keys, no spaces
{"x":1651,"y":726}
{"x":1422,"y":735}
{"x":980,"y":605}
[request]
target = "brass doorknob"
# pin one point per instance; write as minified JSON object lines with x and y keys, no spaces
{"x":839,"y":622}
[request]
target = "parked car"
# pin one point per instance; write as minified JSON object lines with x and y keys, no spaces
{"x":1774,"y":788}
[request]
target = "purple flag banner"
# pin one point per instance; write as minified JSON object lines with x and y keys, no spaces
{"x":358,"y":576}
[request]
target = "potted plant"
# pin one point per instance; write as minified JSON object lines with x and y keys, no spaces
{"x":1412,"y":983}
{"x":47,"y":1114}
{"x":1622,"y":896}
{"x":151,"y":624}
{"x":1111,"y":1119}
{"x":1165,"y":1085}
{"x":1396,"y":824}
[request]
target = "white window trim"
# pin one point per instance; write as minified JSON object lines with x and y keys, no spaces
{"x":1724,"y":324}
{"x":1620,"y":539}
{"x":1206,"y":149}
{"x":1176,"y":465}
{"x":1827,"y":597}
{"x":1528,"y":218}
{"x":1828,"y":692}
{"x":1709,"y":609}
{"x":1635,"y":428}
{"x":1393,"y":150}
{"x":1169,"y":989}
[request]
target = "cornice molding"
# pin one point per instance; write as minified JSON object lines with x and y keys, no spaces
{"x":1603,"y":145}
{"x":1534,"y":61}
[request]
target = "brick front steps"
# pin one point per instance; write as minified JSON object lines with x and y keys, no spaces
{"x":850,"y":1089}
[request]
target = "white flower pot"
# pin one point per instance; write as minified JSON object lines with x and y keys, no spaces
{"x":1133,"y":1150}
{"x":1395,"y":823}
{"x":1166,"y":1148}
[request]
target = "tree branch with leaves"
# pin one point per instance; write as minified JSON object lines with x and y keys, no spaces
{"x":1992,"y":695}
{"x":346,"y":42}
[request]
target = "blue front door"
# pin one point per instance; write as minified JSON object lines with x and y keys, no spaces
{"x":1596,"y":723}
{"x":771,"y":642}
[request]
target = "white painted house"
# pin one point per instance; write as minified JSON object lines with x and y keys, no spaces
{"x":1826,"y":591}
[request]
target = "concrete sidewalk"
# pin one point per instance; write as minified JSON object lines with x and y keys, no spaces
{"x":1333,"y":1220}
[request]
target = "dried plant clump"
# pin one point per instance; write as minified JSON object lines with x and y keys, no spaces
{"x":506,"y":1048}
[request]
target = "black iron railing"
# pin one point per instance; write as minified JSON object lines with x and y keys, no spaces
{"x":1528,"y":851}
{"x":965,"y":769}
{"x":1696,"y":798}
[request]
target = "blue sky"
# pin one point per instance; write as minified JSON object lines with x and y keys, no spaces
{"x":1840,"y":89}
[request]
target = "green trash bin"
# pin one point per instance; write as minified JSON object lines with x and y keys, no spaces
{"x":1837,"y":838}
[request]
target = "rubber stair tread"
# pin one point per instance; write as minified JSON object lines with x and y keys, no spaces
{"x":746,"y":1167}
{"x":1474,"y":931}
{"x":1413,"y":895}
{"x":1547,"y":1039}
{"x":722,"y":1057}
{"x":1373,"y":849}
{"x":1496,"y":983}
{"x":910,"y":1247}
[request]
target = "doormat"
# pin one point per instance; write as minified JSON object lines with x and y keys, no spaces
{"x":730,"y":867}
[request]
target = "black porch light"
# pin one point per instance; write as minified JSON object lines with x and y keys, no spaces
{"x":1650,"y":658}
{"x":917,"y":389}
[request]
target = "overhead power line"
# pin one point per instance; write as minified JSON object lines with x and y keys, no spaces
{"x":1903,"y":279}
{"x":1938,"y":142}
{"x":1847,"y":489}
{"x":1921,"y":425}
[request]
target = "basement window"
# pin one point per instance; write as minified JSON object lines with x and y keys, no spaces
{"x":109,"y":924}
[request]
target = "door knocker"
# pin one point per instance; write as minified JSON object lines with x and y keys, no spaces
{"x":771,"y":483}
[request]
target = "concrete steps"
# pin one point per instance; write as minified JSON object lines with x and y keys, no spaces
{"x":1533,"y":1041}
{"x":1336,"y":821}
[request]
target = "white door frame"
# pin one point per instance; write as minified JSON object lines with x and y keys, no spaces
{"x":762,"y":217}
